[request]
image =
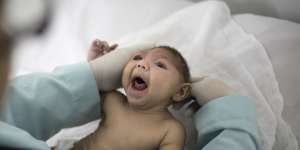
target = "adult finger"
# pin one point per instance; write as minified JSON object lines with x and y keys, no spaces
{"x":192,"y":108}
{"x":180,"y":104}
{"x":198,"y":79}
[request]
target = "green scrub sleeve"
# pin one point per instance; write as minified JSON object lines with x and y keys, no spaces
{"x":44,"y":103}
{"x":227,"y":123}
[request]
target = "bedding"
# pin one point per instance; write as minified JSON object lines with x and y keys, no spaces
{"x":281,"y":39}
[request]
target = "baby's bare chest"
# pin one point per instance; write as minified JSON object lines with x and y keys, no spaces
{"x":130,"y":131}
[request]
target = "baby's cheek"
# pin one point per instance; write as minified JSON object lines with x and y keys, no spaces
{"x":174,"y":78}
{"x":175,"y":83}
{"x":170,"y":84}
{"x":125,"y":76}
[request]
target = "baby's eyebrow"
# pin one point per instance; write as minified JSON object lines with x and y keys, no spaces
{"x":162,"y":56}
{"x":167,"y":59}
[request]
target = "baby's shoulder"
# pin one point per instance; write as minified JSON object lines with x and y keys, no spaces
{"x":175,"y":135}
{"x":173,"y":125}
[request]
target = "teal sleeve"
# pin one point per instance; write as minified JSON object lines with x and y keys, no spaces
{"x":44,"y":103}
{"x":227,"y":123}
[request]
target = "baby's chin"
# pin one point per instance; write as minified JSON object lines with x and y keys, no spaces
{"x":137,"y":102}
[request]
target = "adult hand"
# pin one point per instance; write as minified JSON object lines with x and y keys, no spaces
{"x":204,"y":90}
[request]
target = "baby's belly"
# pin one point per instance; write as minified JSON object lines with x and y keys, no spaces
{"x":109,"y":138}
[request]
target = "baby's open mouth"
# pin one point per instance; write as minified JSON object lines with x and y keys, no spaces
{"x":138,"y":83}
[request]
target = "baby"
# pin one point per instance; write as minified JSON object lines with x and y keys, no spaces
{"x":153,"y":79}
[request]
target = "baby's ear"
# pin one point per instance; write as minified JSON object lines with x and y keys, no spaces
{"x":183,"y":92}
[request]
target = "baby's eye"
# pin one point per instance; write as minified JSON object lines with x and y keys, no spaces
{"x":137,"y":57}
{"x":161,"y":65}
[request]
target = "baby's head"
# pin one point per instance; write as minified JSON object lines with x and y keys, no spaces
{"x":156,"y":78}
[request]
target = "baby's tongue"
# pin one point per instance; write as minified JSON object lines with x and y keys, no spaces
{"x":139,"y":86}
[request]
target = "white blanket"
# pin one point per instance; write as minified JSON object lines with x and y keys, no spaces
{"x":214,"y":45}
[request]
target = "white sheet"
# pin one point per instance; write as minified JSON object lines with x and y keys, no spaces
{"x":206,"y":35}
{"x":281,"y":39}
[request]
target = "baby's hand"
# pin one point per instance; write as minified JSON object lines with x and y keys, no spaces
{"x":99,"y":48}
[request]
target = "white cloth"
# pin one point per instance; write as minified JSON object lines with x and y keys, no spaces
{"x":281,"y":39}
{"x":212,"y":43}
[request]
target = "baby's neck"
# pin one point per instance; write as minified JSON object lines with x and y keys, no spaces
{"x":150,"y":111}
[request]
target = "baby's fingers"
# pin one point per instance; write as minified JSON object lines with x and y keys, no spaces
{"x":94,"y":50}
{"x":96,"y":45}
{"x":105,"y":46}
{"x":114,"y":46}
{"x":111,"y":48}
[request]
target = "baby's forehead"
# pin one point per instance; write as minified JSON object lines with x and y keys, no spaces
{"x":166,"y":54}
{"x":158,"y":53}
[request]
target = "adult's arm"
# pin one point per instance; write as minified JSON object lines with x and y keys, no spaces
{"x":44,"y":103}
{"x":227,"y":122}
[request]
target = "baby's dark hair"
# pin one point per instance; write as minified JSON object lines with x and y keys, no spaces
{"x":183,"y":68}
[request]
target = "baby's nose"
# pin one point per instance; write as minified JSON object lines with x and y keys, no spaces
{"x":143,"y":65}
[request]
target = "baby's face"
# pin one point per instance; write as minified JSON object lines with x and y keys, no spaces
{"x":150,"y":78}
